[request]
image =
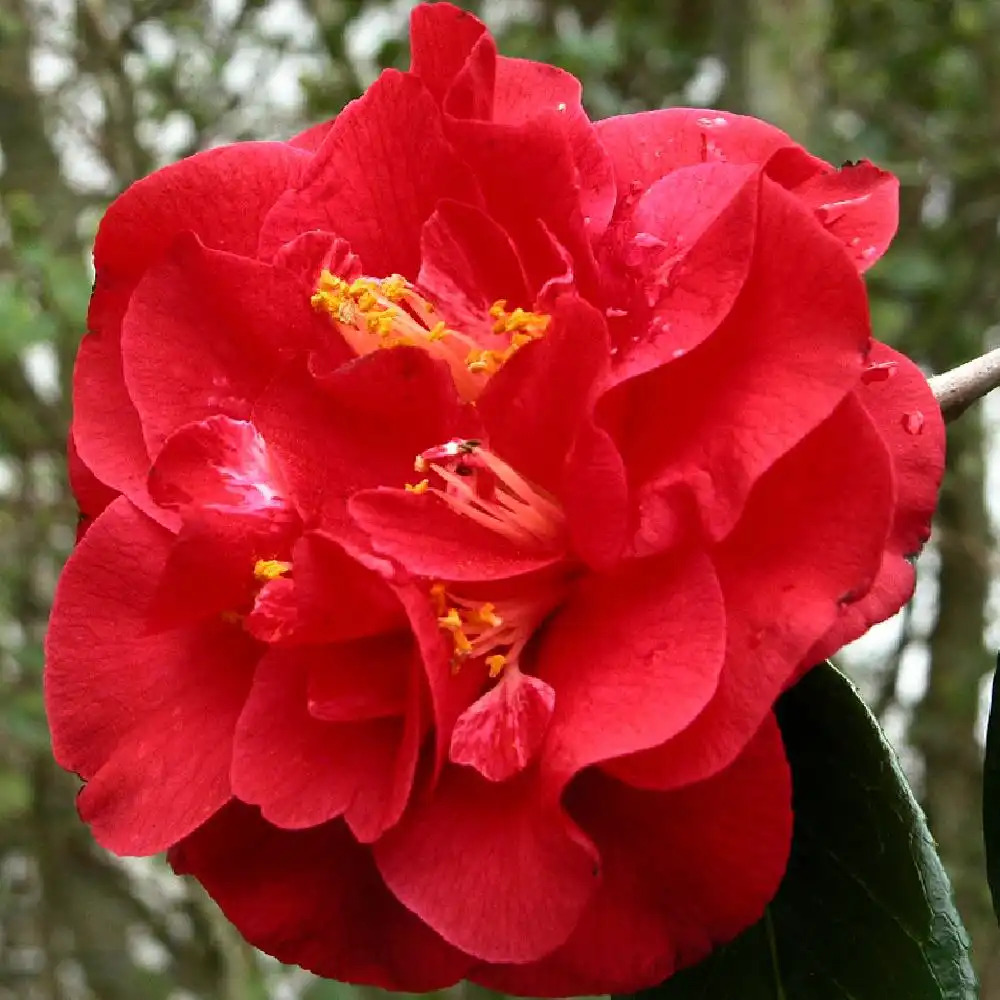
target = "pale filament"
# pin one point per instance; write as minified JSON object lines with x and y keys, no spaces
{"x":513,"y":508}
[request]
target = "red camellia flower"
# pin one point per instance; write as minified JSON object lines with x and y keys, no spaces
{"x":462,"y":482}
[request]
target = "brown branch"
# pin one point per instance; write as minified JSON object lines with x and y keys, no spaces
{"x":958,"y":389}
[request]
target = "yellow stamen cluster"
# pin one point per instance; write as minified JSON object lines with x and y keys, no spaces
{"x":265,"y":570}
{"x":465,"y":625}
{"x":422,"y":487}
{"x":366,"y":304}
{"x":520,"y":325}
{"x":389,"y":312}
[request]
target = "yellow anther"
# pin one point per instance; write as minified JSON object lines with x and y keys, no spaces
{"x":461,"y":642}
{"x":486,"y":614}
{"x":422,"y":487}
{"x":437,"y":331}
{"x":438,"y":597}
{"x":394,"y":287}
{"x":452,"y":620}
{"x":496,"y":663}
{"x":270,"y":569}
{"x":498,"y":308}
{"x":483,"y":361}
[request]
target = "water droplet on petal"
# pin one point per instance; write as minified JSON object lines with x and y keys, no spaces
{"x":614,"y":351}
{"x":717,"y":122}
{"x":679,"y":352}
{"x":648,"y":241}
{"x":869,"y":253}
{"x":879,"y":372}
{"x":711,"y":151}
{"x":913,"y":423}
{"x":561,"y":106}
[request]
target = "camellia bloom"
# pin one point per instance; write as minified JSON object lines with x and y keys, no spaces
{"x":462,"y":482}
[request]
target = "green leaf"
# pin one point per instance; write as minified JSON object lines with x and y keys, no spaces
{"x":865,"y":911}
{"x":991,"y":794}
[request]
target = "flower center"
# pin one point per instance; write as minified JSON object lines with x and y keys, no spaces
{"x":479,"y":485}
{"x":371,"y":313}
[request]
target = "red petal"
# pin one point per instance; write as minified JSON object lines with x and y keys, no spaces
{"x":533,"y":408}
{"x":692,"y":250}
{"x":524,"y":89}
{"x":467,"y":263}
{"x":528,"y":177}
{"x":538,"y":411}
{"x":811,"y":536}
{"x":314,"y":898}
{"x":647,"y":146}
{"x":429,"y":539}
{"x":309,"y":255}
{"x":859,"y":204}
{"x":595,"y":491}
{"x":918,"y":464}
{"x":358,"y":427}
{"x":210,"y":567}
{"x":492,"y":868}
{"x":219,"y":462}
{"x":451,"y":693}
{"x":442,"y":38}
{"x":147,"y":719}
{"x":633,"y":657}
{"x":303,"y":772}
{"x":91,"y":495}
{"x":311,"y":139}
{"x":500,"y":734}
{"x":683,"y":872}
{"x":471,"y":92}
{"x":337,"y":597}
{"x":221,"y":195}
{"x":106,"y":427}
{"x":212,"y":327}
{"x":778,"y":365}
{"x":360,"y":680}
{"x":378,"y":176}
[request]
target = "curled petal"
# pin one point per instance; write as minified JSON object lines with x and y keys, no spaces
{"x":500,"y":734}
